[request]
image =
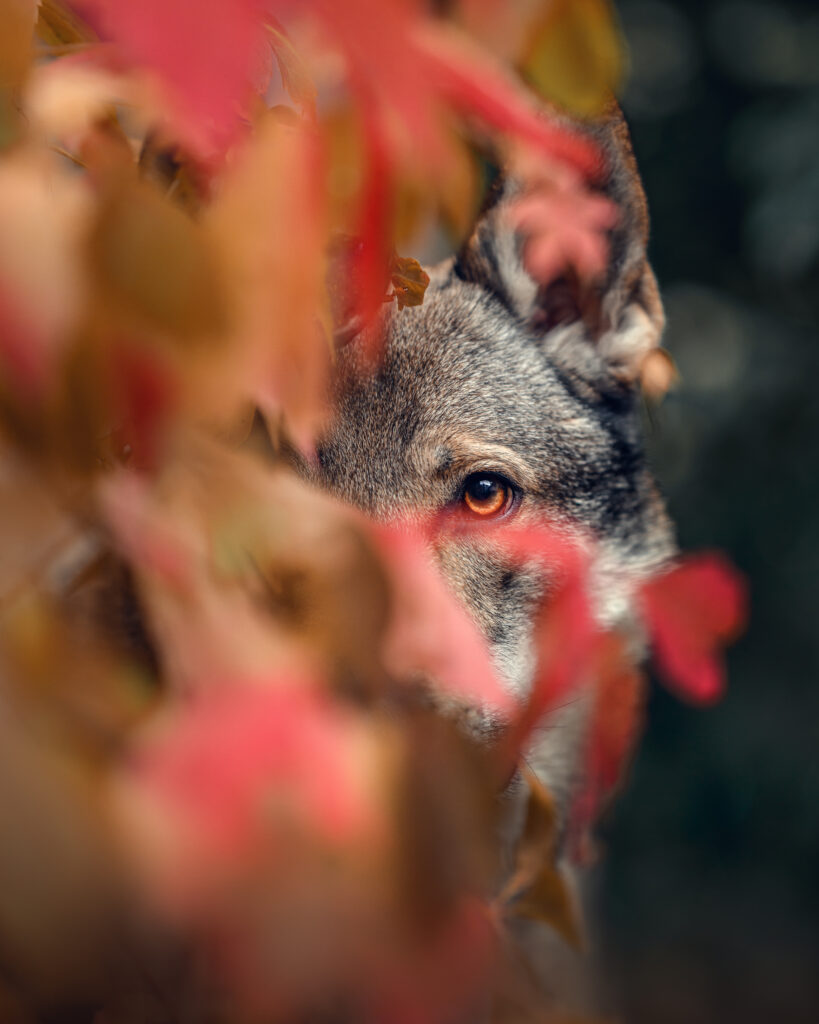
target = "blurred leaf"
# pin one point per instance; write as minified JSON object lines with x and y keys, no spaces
{"x":575,"y":56}
{"x":615,"y":723}
{"x":538,"y":844}
{"x":156,"y":264}
{"x":64,"y":100}
{"x":431,"y":636}
{"x":43,"y":219}
{"x":56,"y":912}
{"x":58,"y":25}
{"x":537,"y":888}
{"x":296,"y":78}
{"x":248,"y":758}
{"x":658,"y":374}
{"x":17,"y":20}
{"x":693,"y":611}
{"x":144,"y":393}
{"x":502,"y":26}
{"x":209,"y":61}
{"x":460,"y":193}
{"x":477,"y":89}
{"x":564,"y":225}
{"x":272,"y":253}
{"x":33,"y":526}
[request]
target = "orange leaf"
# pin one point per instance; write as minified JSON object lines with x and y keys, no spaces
{"x":409,"y":281}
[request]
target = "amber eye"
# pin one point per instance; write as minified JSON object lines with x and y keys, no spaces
{"x":487,"y":494}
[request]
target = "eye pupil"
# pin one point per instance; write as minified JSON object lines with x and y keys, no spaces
{"x":486,"y":494}
{"x":483,"y":489}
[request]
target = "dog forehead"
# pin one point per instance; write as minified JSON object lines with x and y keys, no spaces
{"x":461,"y":362}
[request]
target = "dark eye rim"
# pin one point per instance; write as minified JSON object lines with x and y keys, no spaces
{"x":515,"y":494}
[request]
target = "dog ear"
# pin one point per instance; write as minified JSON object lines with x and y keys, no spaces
{"x":620,"y":315}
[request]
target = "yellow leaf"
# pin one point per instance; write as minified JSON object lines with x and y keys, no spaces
{"x":575,"y":58}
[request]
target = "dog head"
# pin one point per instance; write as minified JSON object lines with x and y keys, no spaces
{"x":506,"y":400}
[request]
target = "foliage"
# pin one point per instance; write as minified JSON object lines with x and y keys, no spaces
{"x":259,"y":812}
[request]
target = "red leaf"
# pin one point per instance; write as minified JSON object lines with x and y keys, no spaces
{"x":239,"y":761}
{"x":617,"y":712}
{"x":431,"y":635}
{"x":565,"y":226}
{"x":565,"y":634}
{"x":614,"y":728}
{"x":24,"y":357}
{"x":692,"y":612}
{"x":209,"y":59}
{"x":144,"y":391}
{"x":470,"y":83}
{"x":141,"y":533}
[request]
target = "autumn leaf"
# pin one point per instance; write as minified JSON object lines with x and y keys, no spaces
{"x":58,"y":25}
{"x":272,"y":242}
{"x":617,"y":711}
{"x":537,"y":888}
{"x":295,"y":75}
{"x":209,"y":61}
{"x":575,"y":56}
{"x":43,"y":218}
{"x":144,"y":392}
{"x":17,"y":21}
{"x":156,"y":264}
{"x":23,"y":351}
{"x":409,"y":281}
{"x":617,"y":699}
{"x":563,"y":224}
{"x":565,"y":631}
{"x":431,"y":636}
{"x":692,"y":612}
{"x":218,"y":763}
{"x":476,"y":88}
{"x":658,"y":374}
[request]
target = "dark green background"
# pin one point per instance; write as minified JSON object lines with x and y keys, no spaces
{"x":710,"y":887}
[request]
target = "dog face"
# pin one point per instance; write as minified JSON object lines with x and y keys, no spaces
{"x":505,"y":401}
